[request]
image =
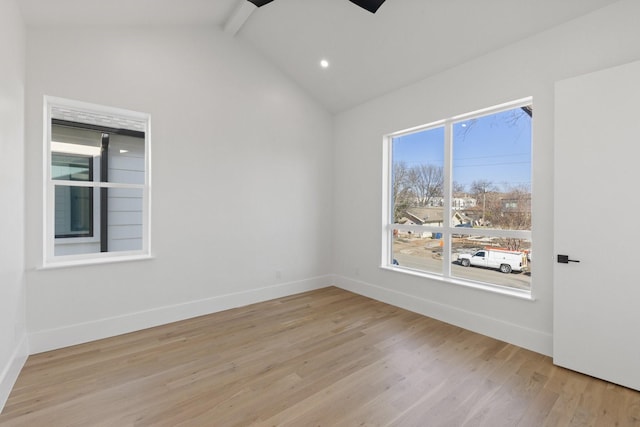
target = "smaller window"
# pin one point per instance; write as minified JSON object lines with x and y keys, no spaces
{"x":97,"y":183}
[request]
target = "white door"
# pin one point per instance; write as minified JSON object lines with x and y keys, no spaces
{"x":597,"y":222}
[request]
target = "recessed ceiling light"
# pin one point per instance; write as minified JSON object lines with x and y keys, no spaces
{"x":324,"y":63}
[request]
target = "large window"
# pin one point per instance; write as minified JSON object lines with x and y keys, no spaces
{"x":458,"y":198}
{"x":96,"y":183}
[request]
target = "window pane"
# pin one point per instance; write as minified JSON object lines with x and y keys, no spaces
{"x":125,"y":213}
{"x":76,"y":247}
{"x":73,"y":152}
{"x":419,"y":252}
{"x":492,"y":169}
{"x":418,"y":178}
{"x":122,"y":215}
{"x":71,"y":167}
{"x":126,"y":159}
{"x":73,"y":211}
{"x":499,"y":261}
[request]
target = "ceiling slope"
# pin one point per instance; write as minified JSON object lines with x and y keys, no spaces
{"x":369,"y":54}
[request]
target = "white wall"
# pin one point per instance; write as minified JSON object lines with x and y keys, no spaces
{"x":602,"y":39}
{"x":13,"y":344}
{"x":241,"y":179}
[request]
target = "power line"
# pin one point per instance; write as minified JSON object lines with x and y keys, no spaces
{"x":491,"y":164}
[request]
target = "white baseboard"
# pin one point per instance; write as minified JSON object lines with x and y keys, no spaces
{"x":538,"y":341}
{"x":10,"y":373}
{"x":52,"y":339}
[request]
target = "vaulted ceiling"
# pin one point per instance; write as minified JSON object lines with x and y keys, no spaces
{"x":368,"y":54}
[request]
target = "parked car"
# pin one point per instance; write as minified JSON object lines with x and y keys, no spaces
{"x":504,"y":260}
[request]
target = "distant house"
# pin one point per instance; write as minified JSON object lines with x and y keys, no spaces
{"x":429,"y":216}
{"x":516,"y":205}
{"x":460,"y":203}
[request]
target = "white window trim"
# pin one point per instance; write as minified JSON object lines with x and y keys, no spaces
{"x":49,"y":260}
{"x":446,"y":230}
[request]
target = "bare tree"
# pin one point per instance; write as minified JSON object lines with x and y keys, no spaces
{"x":399,"y":177}
{"x":414,"y":182}
{"x":516,"y":209}
{"x":457,"y":188}
{"x":427,"y":182}
{"x":511,"y":210}
{"x":485,"y":193}
{"x":511,"y":119}
{"x":401,"y":189}
{"x":433,"y":178}
{"x":482,"y":186}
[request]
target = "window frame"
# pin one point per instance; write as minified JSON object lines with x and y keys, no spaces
{"x":447,"y":229}
{"x":137,"y":119}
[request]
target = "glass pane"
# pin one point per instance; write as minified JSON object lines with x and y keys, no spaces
{"x":76,"y":247}
{"x":419,"y":252}
{"x":124,"y":219}
{"x":74,"y":150}
{"x":498,"y":261}
{"x":492,"y":170}
{"x":89,"y":220}
{"x":74,"y":153}
{"x":73,"y":211}
{"x":418,"y":178}
{"x":71,"y":167}
{"x":126,"y":159}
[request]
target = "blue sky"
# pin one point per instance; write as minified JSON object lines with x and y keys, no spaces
{"x":495,"y":148}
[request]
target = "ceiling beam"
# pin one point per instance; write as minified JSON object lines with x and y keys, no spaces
{"x":370,"y":5}
{"x":260,"y":2}
{"x":239,"y":17}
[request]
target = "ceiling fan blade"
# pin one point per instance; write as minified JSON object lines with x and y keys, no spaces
{"x":259,"y":3}
{"x":370,"y":5}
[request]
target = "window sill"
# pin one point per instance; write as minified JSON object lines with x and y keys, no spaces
{"x":515,"y":293}
{"x":93,"y":261}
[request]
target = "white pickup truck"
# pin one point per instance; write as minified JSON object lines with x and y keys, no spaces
{"x":504,"y":260}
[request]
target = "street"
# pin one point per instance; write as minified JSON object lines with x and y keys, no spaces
{"x":424,"y":254}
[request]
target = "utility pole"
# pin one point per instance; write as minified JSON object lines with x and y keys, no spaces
{"x":484,"y":203}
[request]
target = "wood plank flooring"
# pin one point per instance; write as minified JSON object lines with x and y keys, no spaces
{"x":322,"y":358}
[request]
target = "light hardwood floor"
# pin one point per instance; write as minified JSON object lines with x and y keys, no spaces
{"x":322,"y":358}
